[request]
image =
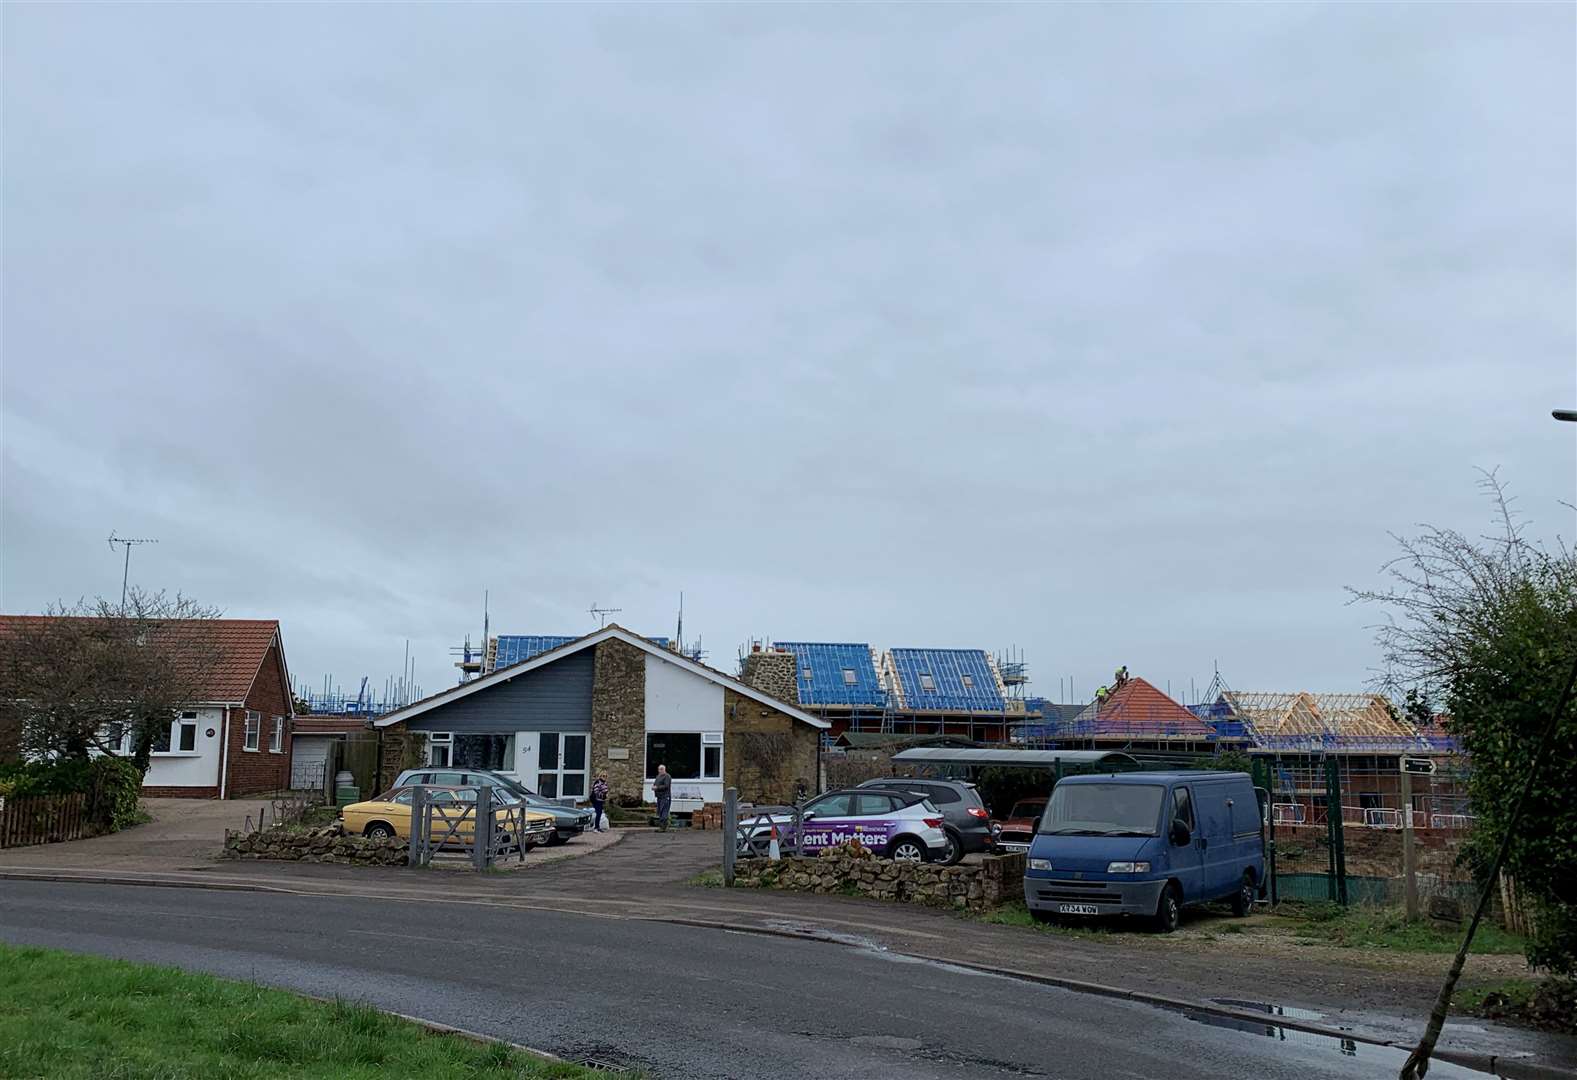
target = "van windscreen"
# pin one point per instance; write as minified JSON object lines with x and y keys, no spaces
{"x":1103,"y":810}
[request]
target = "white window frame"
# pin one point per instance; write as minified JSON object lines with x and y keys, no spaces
{"x":927,"y":682}
{"x":560,"y":772}
{"x":187,"y":722}
{"x":276,"y":736}
{"x":436,"y":741}
{"x":969,"y":681}
{"x":252,"y":730}
{"x":711,"y":740}
{"x":850,"y":677}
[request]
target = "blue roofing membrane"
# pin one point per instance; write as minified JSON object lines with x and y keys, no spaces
{"x":959,"y":679}
{"x":835,"y":673}
{"x":513,"y":648}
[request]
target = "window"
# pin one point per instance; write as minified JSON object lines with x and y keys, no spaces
{"x":711,"y":763}
{"x":927,"y":683}
{"x":116,"y":738}
{"x":849,"y":678}
{"x":870,"y":804}
{"x":831,"y":805}
{"x":254,"y":725}
{"x":440,"y":749}
{"x":161,"y":741}
{"x":188,"y":737}
{"x":939,"y":794}
{"x":493,"y":752}
{"x":969,"y":682}
{"x":804,"y":673}
{"x":1183,"y":807}
{"x":1103,"y":809}
{"x":276,"y":737}
{"x":680,"y":751}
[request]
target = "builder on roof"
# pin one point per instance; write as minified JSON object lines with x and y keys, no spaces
{"x":1100,"y":695}
{"x":1120,"y":678}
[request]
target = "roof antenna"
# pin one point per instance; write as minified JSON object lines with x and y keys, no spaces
{"x":126,"y":572}
{"x":602,"y":613}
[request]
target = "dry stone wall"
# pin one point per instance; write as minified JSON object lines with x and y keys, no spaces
{"x":323,"y":845}
{"x":851,"y":870}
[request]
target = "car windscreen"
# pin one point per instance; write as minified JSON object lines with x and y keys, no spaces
{"x":1026,"y":810}
{"x":1103,"y":810}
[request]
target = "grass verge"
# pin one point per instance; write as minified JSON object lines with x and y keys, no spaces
{"x":708,"y":879}
{"x":1388,"y":928}
{"x":1545,"y":1004}
{"x":1016,"y":914}
{"x":65,"y":1016}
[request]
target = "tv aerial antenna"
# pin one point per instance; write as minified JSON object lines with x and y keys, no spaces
{"x":602,"y":613}
{"x":125,"y":573}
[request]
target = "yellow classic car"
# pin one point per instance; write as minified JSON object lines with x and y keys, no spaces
{"x":454,"y":817}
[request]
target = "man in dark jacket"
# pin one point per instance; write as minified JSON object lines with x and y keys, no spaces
{"x":662,"y":788}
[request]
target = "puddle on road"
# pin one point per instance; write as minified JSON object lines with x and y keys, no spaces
{"x":1381,"y":1059}
{"x":811,"y":932}
{"x":1274,"y":1010}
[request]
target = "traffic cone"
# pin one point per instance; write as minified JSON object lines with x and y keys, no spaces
{"x":773,"y":851}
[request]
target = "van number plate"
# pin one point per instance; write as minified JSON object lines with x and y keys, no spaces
{"x":1078,"y":909}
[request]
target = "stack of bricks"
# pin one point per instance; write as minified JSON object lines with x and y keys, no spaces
{"x":710,"y":816}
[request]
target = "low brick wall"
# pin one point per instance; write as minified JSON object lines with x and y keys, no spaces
{"x":853,"y":871}
{"x":324,"y":845}
{"x":710,"y":816}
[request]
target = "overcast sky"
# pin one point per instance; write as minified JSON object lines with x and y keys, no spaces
{"x":1116,"y":334}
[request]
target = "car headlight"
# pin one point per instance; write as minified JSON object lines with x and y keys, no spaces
{"x":1128,"y":868}
{"x":1041,"y":864}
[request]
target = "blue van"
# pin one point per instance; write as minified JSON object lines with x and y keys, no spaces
{"x":1146,"y":844}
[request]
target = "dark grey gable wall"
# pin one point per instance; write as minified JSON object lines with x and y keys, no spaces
{"x":554,"y":697}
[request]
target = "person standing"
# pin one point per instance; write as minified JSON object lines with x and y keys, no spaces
{"x":599,"y":799}
{"x":662,"y":788}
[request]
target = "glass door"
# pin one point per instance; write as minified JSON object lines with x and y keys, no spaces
{"x":561,"y":765}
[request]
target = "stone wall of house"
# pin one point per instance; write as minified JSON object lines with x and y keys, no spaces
{"x":851,"y":870}
{"x":322,"y":845}
{"x":775,"y":673}
{"x":767,"y":754}
{"x":618,"y":718}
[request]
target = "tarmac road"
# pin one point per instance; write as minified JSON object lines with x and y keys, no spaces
{"x":682,"y":1002}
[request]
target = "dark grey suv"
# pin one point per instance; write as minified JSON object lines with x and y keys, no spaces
{"x":966,"y":821}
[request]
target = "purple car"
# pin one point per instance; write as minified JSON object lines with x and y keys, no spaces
{"x":897,"y":824}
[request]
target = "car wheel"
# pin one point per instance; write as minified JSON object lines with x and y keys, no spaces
{"x":955,"y":849}
{"x":1045,"y":918}
{"x":1243,"y":899}
{"x":554,"y":839}
{"x":907,"y":849}
{"x":379,"y":830}
{"x":1168,"y":911}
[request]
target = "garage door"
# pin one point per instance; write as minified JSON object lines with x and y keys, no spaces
{"x":309,"y":756}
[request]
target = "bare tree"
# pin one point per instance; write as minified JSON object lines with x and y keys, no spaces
{"x":77,"y":679}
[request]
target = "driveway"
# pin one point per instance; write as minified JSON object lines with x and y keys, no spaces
{"x":184,"y":834}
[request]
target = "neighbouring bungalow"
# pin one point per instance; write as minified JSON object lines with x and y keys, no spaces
{"x":234,"y":739}
{"x":615,"y":704}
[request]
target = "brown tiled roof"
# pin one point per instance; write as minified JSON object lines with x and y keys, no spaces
{"x":241,"y":645}
{"x":1139,"y":709}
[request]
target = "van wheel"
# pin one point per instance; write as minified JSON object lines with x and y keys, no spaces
{"x":907,"y":849}
{"x":1243,"y":899}
{"x":379,"y":830}
{"x":1169,"y":911}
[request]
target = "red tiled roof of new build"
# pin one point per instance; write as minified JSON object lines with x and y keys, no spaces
{"x":1138,"y":708}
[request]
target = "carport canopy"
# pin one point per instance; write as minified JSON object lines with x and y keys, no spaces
{"x":1050,"y":760}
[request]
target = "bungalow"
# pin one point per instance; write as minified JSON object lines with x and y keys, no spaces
{"x":234,"y":738}
{"x":615,"y":704}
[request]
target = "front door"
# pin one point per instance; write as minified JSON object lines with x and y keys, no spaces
{"x":555,"y":763}
{"x":1187,"y":862}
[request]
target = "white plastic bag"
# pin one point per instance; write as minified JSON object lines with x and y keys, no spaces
{"x":602,"y":823}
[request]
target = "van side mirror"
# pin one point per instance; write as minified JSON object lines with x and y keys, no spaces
{"x":1180,"y":834}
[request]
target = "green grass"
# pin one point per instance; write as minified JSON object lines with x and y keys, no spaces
{"x":1387,"y":928}
{"x":64,"y":1016}
{"x":1016,"y":914}
{"x":708,"y":879}
{"x":1548,"y":1004}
